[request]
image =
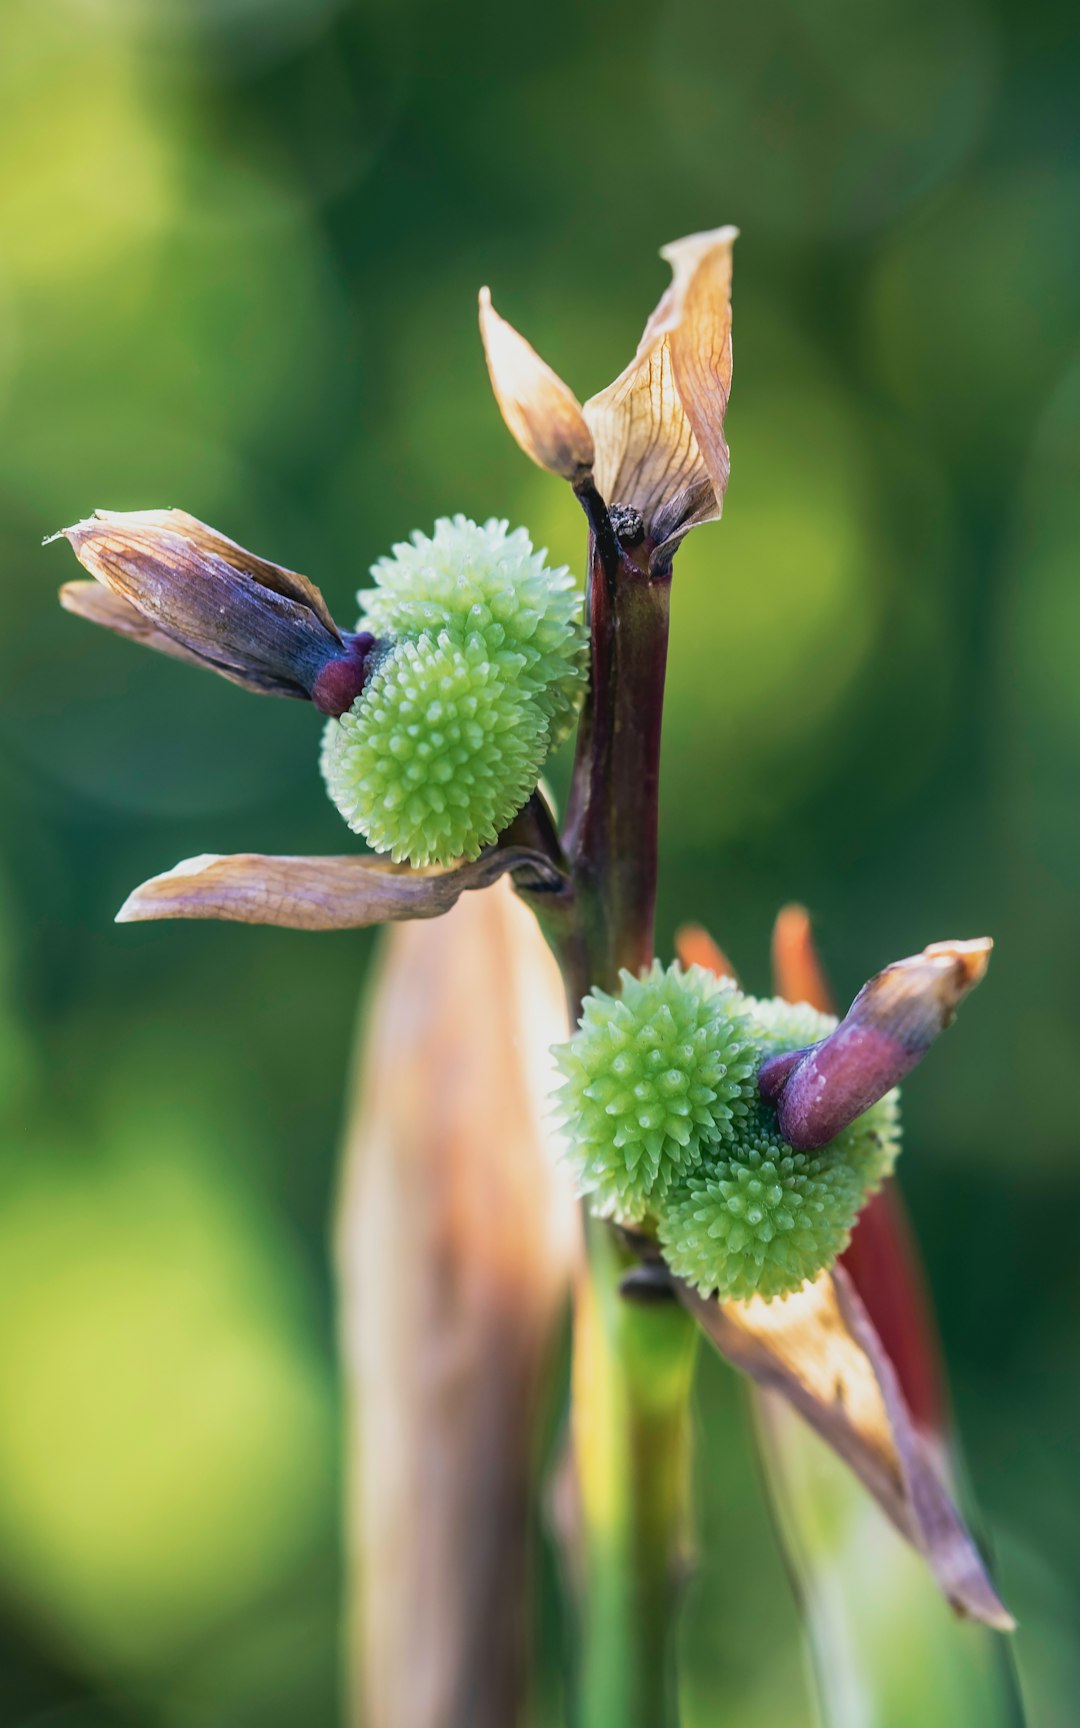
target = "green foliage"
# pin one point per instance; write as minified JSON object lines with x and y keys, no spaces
{"x":652,"y":1077}
{"x":482,"y":672}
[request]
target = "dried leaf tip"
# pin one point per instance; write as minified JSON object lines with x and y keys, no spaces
{"x":654,"y":439}
{"x":541,"y":412}
{"x":346,"y":893}
{"x":179,"y":586}
{"x":887,"y":1030}
{"x":819,"y":1351}
{"x":659,"y":428}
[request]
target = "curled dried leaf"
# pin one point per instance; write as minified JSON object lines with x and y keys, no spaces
{"x":540,"y":410}
{"x":346,"y":893}
{"x":818,"y":1350}
{"x":257,"y":624}
{"x":658,"y":429}
{"x":125,"y":549}
{"x":98,"y":605}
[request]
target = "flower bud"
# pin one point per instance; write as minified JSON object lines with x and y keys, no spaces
{"x":179,"y":586}
{"x":484,"y":581}
{"x":651,"y":1078}
{"x":437,"y":755}
{"x":760,"y":1219}
{"x":887,"y":1030}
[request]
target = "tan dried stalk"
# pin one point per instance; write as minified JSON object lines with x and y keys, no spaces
{"x":456,"y":1236}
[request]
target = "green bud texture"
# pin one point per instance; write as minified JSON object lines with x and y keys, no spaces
{"x":664,"y":1124}
{"x":761,"y":1219}
{"x":652,"y":1078}
{"x":485,"y":581}
{"x":436,"y":756}
{"x":481,"y":671}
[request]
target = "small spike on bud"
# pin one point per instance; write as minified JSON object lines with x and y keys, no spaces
{"x":181,"y":587}
{"x":887,"y":1030}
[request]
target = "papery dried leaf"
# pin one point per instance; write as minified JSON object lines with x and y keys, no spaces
{"x":883,"y":1264}
{"x":456,"y":1234}
{"x":109,"y":541}
{"x":540,"y":410}
{"x":257,"y":623}
{"x":344,"y":893}
{"x":701,"y":341}
{"x":659,"y":428}
{"x":98,"y":605}
{"x":819,"y":1351}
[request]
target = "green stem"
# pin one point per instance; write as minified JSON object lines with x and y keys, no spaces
{"x":633,"y":1367}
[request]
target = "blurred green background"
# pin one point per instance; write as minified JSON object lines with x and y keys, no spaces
{"x":240,"y":242}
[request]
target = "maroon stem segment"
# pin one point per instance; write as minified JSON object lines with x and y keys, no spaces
{"x":612,"y":824}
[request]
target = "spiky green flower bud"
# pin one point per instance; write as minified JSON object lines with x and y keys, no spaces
{"x":759,"y":1219}
{"x":652,"y":1078}
{"x":473,"y":580}
{"x":482,"y":665}
{"x":437,"y":754}
{"x":664,"y":1122}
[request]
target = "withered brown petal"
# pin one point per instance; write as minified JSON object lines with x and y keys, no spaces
{"x":127,"y":529}
{"x":540,"y":410}
{"x":701,"y":342}
{"x":820,"y":1352}
{"x":256,"y":623}
{"x":344,"y":893}
{"x":98,"y":605}
{"x":658,"y":428}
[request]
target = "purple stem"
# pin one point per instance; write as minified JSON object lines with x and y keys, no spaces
{"x":611,"y":836}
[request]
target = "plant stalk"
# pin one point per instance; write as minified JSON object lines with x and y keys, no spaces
{"x":612,"y":830}
{"x":632,"y":1365}
{"x":632,"y":1372}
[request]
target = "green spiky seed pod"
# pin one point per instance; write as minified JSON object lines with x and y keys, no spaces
{"x":759,"y":1219}
{"x":437,"y":753}
{"x":652,"y":1078}
{"x":473,"y":580}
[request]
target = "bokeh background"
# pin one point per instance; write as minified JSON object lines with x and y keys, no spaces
{"x":240,"y":242}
